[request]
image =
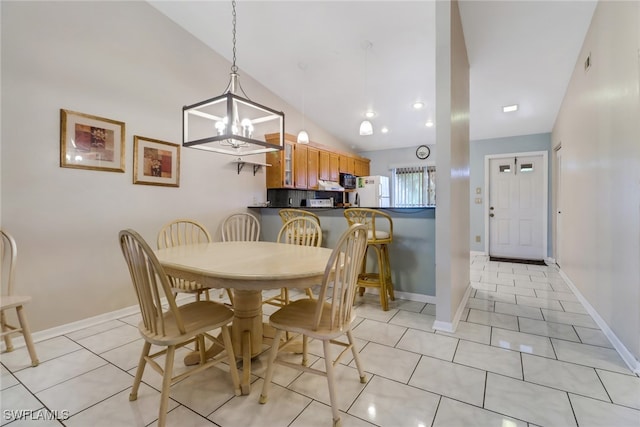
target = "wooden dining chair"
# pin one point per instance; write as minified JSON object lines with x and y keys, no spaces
{"x":174,"y":328}
{"x":10,"y":300}
{"x":186,"y":232}
{"x":303,"y":231}
{"x":326,"y":318}
{"x":241,"y":227}
{"x":287,"y":213}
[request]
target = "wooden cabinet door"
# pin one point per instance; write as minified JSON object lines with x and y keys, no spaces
{"x":334,"y":167}
{"x":347,"y":164}
{"x":362,"y":167}
{"x":313,"y":159}
{"x":300,"y":169}
{"x":324,"y":169}
{"x":280,"y":173}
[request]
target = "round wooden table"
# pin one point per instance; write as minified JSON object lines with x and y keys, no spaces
{"x":248,"y":268}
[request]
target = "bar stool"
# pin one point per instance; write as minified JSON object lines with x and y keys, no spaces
{"x":379,"y":236}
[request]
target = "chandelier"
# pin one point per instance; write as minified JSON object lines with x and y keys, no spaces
{"x":230,"y":123}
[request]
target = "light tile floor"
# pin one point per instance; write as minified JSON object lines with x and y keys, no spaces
{"x":525,"y":354}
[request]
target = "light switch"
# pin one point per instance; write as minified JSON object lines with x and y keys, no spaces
{"x":478,"y":200}
{"x":478,"y":190}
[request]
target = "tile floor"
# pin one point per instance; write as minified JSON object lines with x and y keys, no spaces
{"x":525,"y":354}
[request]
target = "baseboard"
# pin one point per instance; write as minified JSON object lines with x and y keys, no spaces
{"x":477,"y":253}
{"x":409,"y":296}
{"x":550,"y":261}
{"x":18,"y":340}
{"x":451,"y":327}
{"x":627,"y":356}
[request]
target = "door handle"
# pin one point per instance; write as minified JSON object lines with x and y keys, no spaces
{"x":491,"y":215}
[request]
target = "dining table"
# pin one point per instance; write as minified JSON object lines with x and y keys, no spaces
{"x":248,"y":268}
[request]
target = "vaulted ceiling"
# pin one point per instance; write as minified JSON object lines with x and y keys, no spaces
{"x":312,"y":54}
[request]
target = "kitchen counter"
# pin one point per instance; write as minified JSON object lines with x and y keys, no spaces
{"x":412,"y":253}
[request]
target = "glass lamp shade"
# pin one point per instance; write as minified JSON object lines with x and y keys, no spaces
{"x":230,"y":124}
{"x":303,"y":137}
{"x":366,"y":128}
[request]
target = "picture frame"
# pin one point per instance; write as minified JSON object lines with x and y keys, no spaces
{"x":155,"y":162}
{"x":91,"y":142}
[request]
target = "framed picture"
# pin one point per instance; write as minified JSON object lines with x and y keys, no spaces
{"x":155,"y":162}
{"x":91,"y":142}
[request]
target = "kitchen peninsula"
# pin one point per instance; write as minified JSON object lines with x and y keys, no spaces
{"x":412,"y":252}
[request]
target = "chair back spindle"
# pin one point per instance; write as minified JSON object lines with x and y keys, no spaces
{"x":241,"y":227}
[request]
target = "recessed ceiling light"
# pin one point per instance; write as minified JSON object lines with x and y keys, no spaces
{"x":510,"y":108}
{"x":384,"y":129}
{"x":429,"y":123}
{"x":370,"y":114}
{"x":418,"y":105}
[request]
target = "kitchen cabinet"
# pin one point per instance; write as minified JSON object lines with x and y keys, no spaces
{"x":300,"y":170}
{"x":300,"y":166}
{"x":362,"y":166}
{"x":313,"y":163}
{"x":347,"y":164}
{"x":334,"y":167}
{"x":280,"y":173}
{"x":324,"y":166}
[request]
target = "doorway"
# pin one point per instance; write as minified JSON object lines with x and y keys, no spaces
{"x":516,"y":212}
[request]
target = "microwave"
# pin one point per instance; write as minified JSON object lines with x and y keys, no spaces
{"x":348,"y":181}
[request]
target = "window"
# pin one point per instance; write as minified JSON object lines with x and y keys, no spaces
{"x":414,"y":186}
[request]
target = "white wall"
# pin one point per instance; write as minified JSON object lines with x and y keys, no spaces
{"x":452,"y":136}
{"x":598,"y":128}
{"x":127,"y":62}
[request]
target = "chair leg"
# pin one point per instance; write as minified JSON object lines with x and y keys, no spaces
{"x":356,"y":357}
{"x":328,"y":362}
{"x":233,"y":369}
{"x":230,"y":294}
{"x":387,"y":267}
{"x":141,"y":364}
{"x":7,"y":338}
{"x":384,"y":302}
{"x":166,"y":384}
{"x":270,"y":366}
{"x":305,"y":350}
{"x":27,"y":335}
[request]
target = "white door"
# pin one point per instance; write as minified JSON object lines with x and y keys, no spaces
{"x":516,"y":208}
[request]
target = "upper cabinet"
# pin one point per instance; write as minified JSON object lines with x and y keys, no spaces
{"x":301,"y":166}
{"x":362,"y":166}
{"x":280,"y":174}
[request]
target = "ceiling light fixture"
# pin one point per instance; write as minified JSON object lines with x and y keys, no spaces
{"x":366,"y":128}
{"x":303,"y":136}
{"x":370,"y":114}
{"x":384,"y":129}
{"x":510,"y":108}
{"x":229,"y":123}
{"x":418,"y":105}
{"x":429,"y":123}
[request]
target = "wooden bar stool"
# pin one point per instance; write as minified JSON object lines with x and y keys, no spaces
{"x":379,"y":236}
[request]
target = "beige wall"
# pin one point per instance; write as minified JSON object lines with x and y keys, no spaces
{"x":452,"y":135}
{"x":598,"y":128}
{"x":127,"y":62}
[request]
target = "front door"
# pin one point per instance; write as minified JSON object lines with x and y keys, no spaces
{"x":516,"y":207}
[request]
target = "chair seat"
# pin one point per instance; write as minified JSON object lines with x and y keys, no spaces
{"x":11,"y":301}
{"x":198,"y":317}
{"x":379,"y":235}
{"x":297,"y":317}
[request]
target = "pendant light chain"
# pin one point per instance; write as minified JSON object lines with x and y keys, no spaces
{"x":234,"y":67}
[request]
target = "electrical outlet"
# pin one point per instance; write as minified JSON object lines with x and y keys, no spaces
{"x":478,"y":190}
{"x":478,"y":200}
{"x":478,"y":239}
